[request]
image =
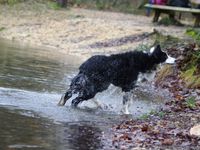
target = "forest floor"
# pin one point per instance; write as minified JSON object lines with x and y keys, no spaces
{"x":171,"y":127}
{"x":87,"y":32}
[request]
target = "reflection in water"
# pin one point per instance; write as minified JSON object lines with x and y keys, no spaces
{"x":34,"y":69}
{"x":85,"y":136}
{"x":22,"y":132}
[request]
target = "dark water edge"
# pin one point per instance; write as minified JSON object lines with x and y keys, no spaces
{"x":33,"y":132}
{"x":35,"y":69}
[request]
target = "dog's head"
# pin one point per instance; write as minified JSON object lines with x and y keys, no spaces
{"x":161,"y":57}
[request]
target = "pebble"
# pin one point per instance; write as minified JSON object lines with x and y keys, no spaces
{"x":195,"y":130}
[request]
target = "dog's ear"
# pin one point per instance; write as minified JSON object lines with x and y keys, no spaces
{"x":156,"y":48}
{"x":156,"y":52}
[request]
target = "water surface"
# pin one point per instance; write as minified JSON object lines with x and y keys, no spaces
{"x":31,"y":83}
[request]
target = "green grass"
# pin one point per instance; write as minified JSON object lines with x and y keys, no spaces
{"x":143,"y":47}
{"x":169,"y":21}
{"x":145,"y":116}
{"x":53,"y":5}
{"x":160,"y":114}
{"x":194,"y":33}
{"x":10,"y":2}
{"x":191,"y":102}
{"x":191,"y":80}
{"x":2,"y":28}
{"x":190,"y":69}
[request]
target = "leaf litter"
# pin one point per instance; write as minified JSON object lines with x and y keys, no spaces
{"x":180,"y":114}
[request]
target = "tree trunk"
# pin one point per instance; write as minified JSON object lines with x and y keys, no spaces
{"x":62,"y":3}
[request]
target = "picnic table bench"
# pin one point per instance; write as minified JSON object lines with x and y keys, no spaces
{"x":171,"y":11}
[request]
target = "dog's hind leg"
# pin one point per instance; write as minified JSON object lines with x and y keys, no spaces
{"x":126,"y":103}
{"x":65,"y":97}
{"x":82,"y":97}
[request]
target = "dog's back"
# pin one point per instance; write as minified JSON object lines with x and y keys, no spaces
{"x":119,"y":69}
{"x":96,"y":68}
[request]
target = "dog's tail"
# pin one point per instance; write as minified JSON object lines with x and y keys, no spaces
{"x":77,"y":86}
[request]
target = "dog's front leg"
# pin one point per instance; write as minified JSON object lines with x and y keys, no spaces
{"x":126,"y":103}
{"x":65,"y":97}
{"x":76,"y":101}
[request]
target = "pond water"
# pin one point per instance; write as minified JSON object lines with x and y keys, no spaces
{"x":31,"y":83}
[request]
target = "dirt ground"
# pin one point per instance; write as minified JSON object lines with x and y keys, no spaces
{"x":75,"y":30}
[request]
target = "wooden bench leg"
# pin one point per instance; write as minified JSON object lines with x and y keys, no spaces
{"x":179,"y":16}
{"x":172,"y":15}
{"x":197,"y":21}
{"x":156,"y":16}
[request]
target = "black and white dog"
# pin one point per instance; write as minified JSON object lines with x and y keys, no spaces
{"x":122,"y":70}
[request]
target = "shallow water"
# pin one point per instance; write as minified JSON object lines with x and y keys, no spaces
{"x":31,"y":83}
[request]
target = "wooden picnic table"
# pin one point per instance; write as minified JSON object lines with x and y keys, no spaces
{"x":172,"y":9}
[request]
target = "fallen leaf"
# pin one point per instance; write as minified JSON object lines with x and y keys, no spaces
{"x":145,"y":128}
{"x":168,"y":142}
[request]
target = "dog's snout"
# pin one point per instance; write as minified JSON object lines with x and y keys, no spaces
{"x":170,"y":60}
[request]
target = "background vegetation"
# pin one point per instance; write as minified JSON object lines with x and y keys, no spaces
{"x":128,"y":6}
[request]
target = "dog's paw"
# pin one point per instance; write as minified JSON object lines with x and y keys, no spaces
{"x":61,"y":102}
{"x":125,"y":111}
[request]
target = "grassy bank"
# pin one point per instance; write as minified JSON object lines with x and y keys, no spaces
{"x":187,"y":51}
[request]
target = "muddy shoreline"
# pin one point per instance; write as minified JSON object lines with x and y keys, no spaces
{"x":74,"y":30}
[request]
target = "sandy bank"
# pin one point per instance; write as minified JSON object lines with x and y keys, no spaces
{"x":74,"y":30}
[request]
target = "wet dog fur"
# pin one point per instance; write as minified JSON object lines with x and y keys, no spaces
{"x":122,"y":70}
